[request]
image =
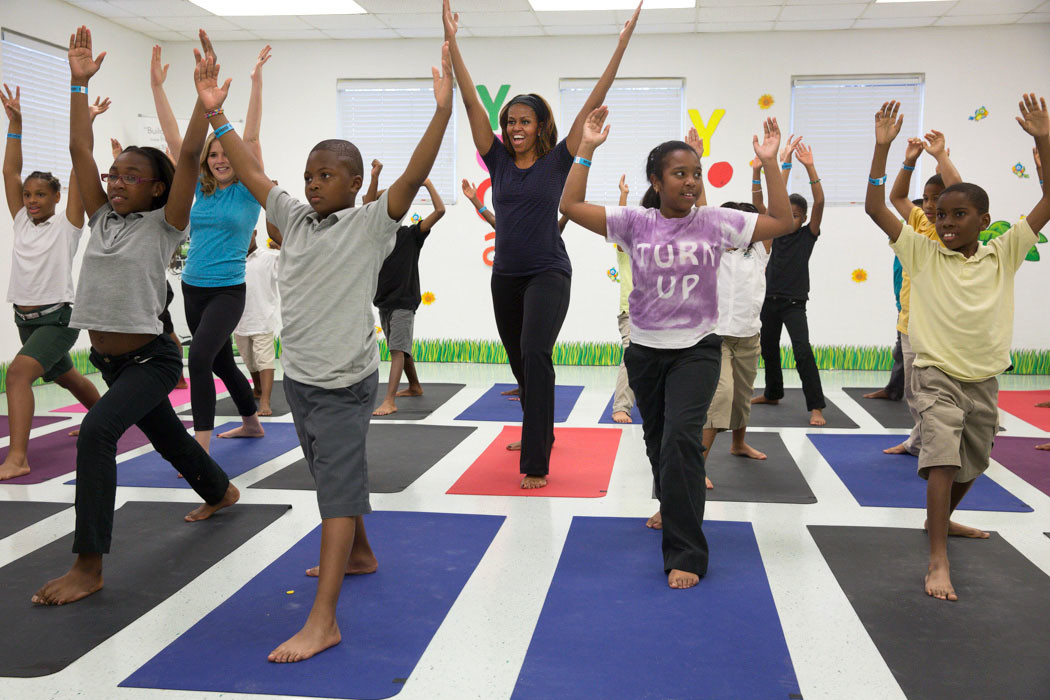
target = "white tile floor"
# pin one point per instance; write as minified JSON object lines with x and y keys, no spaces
{"x":479,"y":648}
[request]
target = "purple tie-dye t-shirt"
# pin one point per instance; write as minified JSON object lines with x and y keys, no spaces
{"x":674,"y":263}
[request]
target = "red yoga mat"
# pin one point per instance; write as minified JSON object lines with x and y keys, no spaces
{"x":581,"y":465}
{"x":1022,"y":404}
{"x":178,"y":397}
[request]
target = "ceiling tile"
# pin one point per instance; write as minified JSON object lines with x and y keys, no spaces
{"x":372,"y":33}
{"x":234,"y":35}
{"x":993,"y":7}
{"x":192,"y":24}
{"x":139,"y":24}
{"x":817,"y":24}
{"x":794,"y":13}
{"x":734,"y":26}
{"x":736,"y":3}
{"x":825,"y":2}
{"x":498,"y":19}
{"x":508,"y":31}
{"x":174,"y":36}
{"x":569,"y":30}
{"x":335,"y":22}
{"x":658,"y":16}
{"x":970,"y":20}
{"x":158,"y":8}
{"x":265,"y":23}
{"x":890,"y":22}
{"x":675,"y":28}
{"x":565,"y":19}
{"x":290,"y":34}
{"x":425,"y":6}
{"x":1035,"y":18}
{"x":906,"y":9}
{"x":738,"y":14}
{"x":103,"y":9}
{"x":431,"y":20}
{"x":425,"y":32}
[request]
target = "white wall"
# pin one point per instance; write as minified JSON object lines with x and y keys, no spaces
{"x":721,"y":71}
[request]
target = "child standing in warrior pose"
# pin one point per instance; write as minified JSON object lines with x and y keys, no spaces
{"x":136,"y":225}
{"x":674,"y":357}
{"x":330,"y":259}
{"x":255,"y":331}
{"x":531,"y":273}
{"x":787,"y":290}
{"x":961,"y":327}
{"x":41,"y":286}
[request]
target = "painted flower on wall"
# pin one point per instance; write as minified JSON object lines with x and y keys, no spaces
{"x":1019,"y":170}
{"x":613,"y":274}
{"x":379,"y":330}
{"x":428,"y":298}
{"x":766,"y":101}
{"x":859,"y":275}
{"x":979,"y":114}
{"x":416,"y":218}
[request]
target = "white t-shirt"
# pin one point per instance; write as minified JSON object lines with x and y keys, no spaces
{"x":741,"y":291}
{"x":260,"y":297}
{"x":42,"y":260}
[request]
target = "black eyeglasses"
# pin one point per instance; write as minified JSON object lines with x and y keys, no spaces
{"x":127,"y":179}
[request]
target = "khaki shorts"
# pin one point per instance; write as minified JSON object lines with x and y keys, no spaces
{"x":958,"y":422}
{"x":256,"y":351}
{"x":731,"y":406}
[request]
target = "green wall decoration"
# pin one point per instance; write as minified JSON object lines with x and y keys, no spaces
{"x":492,"y":106}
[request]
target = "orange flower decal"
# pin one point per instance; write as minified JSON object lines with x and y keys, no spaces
{"x":766,"y":101}
{"x":859,"y":275}
{"x":379,"y":330}
{"x":428,"y":298}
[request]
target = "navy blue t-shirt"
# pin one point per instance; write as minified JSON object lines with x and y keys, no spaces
{"x":528,"y":240}
{"x":787,"y":273}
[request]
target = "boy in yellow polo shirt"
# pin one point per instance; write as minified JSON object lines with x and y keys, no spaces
{"x":961,"y":327}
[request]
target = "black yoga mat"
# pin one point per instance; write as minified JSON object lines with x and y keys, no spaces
{"x":17,"y":515}
{"x":791,"y":413}
{"x":889,"y":414}
{"x":418,"y":407}
{"x":776,"y":479}
{"x":154,"y":554}
{"x":991,"y":643}
{"x":226,"y":407}
{"x":397,"y":456}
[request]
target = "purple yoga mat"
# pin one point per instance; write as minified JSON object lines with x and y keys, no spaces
{"x":38,"y":421}
{"x":55,"y":454}
{"x":1018,"y":454}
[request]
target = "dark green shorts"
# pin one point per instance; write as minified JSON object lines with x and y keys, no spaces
{"x":48,"y":340}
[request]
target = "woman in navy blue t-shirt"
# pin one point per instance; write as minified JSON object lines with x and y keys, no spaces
{"x":531,"y":273}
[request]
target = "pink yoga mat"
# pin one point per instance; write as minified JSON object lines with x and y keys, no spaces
{"x":179,"y":397}
{"x":55,"y":454}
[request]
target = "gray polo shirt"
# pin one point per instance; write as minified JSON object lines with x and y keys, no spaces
{"x":122,"y":284}
{"x":327,"y":279}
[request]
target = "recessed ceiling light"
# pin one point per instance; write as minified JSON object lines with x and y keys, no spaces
{"x":585,"y":5}
{"x":260,"y":8}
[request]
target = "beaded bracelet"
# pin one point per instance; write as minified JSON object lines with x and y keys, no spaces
{"x":213,"y":113}
{"x":813,"y":182}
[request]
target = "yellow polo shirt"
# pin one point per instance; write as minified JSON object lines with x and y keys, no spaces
{"x":623,"y":265}
{"x":962,"y":316}
{"x":924,"y":227}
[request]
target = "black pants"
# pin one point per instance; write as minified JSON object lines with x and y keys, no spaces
{"x":529,"y":313}
{"x":895,"y":386}
{"x":212,"y":313}
{"x":778,"y":312}
{"x":139,"y":383}
{"x":673,"y":390}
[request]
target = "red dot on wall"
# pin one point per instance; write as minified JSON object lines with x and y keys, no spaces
{"x":720,"y":174}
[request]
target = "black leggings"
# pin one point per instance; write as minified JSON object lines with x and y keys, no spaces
{"x":778,"y":312}
{"x":139,"y":383}
{"x":212,"y":313}
{"x":529,"y":313}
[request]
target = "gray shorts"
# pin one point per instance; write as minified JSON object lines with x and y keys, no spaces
{"x":332,"y":425}
{"x":398,"y":325}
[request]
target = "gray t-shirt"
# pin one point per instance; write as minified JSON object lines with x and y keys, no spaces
{"x":122,"y":283}
{"x":327,"y":279}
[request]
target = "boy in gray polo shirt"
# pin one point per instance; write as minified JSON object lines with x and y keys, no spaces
{"x":330,"y":261}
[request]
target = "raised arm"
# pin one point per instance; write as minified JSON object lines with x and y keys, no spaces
{"x":253,"y":120}
{"x":573,"y":204}
{"x":400,"y":195}
{"x":471,"y":193}
{"x":158,"y":72}
{"x":786,"y":154}
{"x":480,"y":126}
{"x":756,"y":186}
{"x":74,"y":202}
{"x":694,"y":140}
{"x":935,"y":146}
{"x":816,"y":213}
{"x":81,"y":138}
{"x":439,"y":207}
{"x":624,"y":190}
{"x":13,"y":154}
{"x":1035,"y":120}
{"x":887,"y":126}
{"x":778,"y":220}
{"x":601,"y":88}
{"x":902,"y":183}
{"x":1038,"y":164}
{"x":373,"y":186}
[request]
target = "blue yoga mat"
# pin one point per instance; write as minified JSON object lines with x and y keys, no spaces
{"x":387,"y":619}
{"x":607,"y":415}
{"x":235,"y":456}
{"x":611,"y":628}
{"x":491,"y":406}
{"x":892,"y":481}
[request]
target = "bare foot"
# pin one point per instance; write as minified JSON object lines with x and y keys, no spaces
{"x":83,"y":579}
{"x":1044,"y":446}
{"x":416,"y":390}
{"x":528,"y":481}
{"x":746,"y":450}
{"x":656,"y":522}
{"x":73,"y":433}
{"x":182,"y":383}
{"x":816,"y":417}
{"x":939,"y":583}
{"x":761,"y":398}
{"x":305,"y":643}
{"x":385,"y":408}
{"x":1043,"y":404}
{"x":354,"y":567}
{"x":11,"y":470}
{"x":880,"y":394}
{"x":264,"y":410}
{"x":901,"y":449}
{"x":510,"y":392}
{"x":682,"y":579}
{"x":205,"y":511}
{"x":514,"y":446}
{"x":622,"y":417}
{"x":244,"y":432}
{"x":707,"y":483}
{"x":957,"y":530}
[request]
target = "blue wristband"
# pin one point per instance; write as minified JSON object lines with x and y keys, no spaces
{"x":483,"y":209}
{"x":19,"y":137}
{"x":78,"y":88}
{"x":756,"y":182}
{"x":877,"y":181}
{"x":582,"y":161}
{"x":785,"y":166}
{"x":905,"y":166}
{"x":223,"y":129}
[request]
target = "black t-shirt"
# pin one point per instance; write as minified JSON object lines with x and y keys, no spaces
{"x":398,"y":286}
{"x":528,"y":240}
{"x":787,"y":273}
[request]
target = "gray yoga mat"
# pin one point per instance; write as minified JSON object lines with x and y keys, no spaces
{"x":154,"y":554}
{"x":991,"y":643}
{"x":18,"y":515}
{"x":776,"y":479}
{"x":226,"y":407}
{"x":397,"y":456}
{"x":889,"y":414}
{"x":791,"y":413}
